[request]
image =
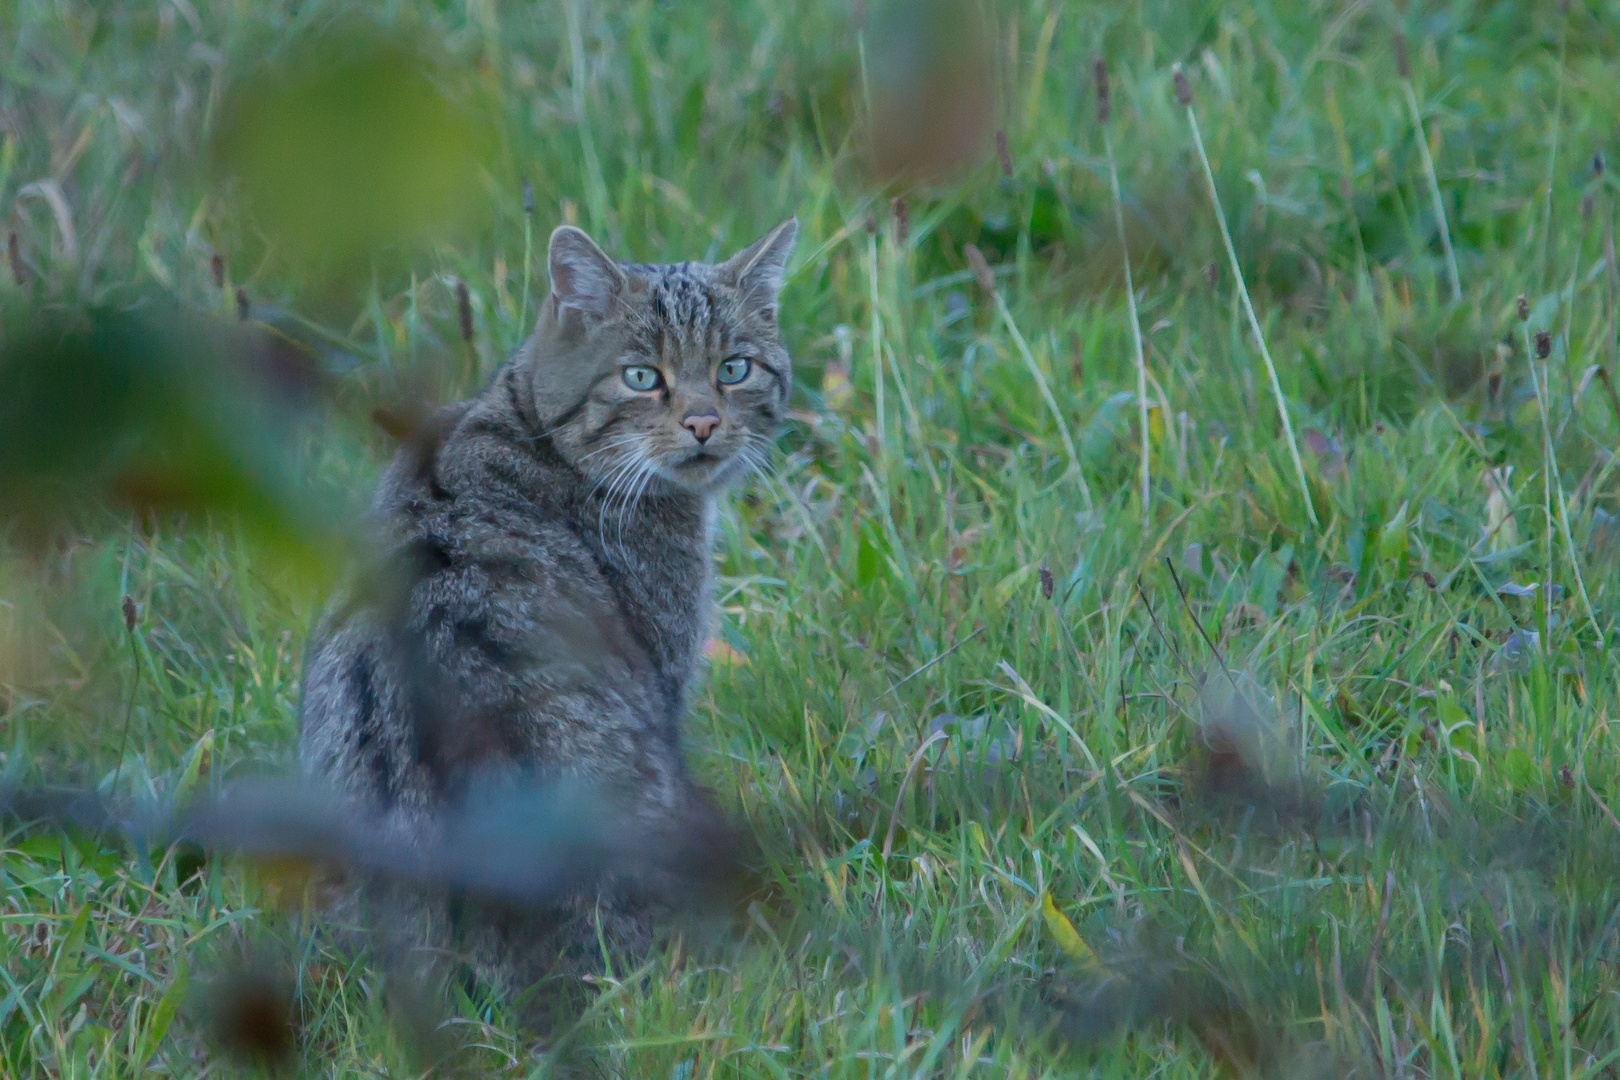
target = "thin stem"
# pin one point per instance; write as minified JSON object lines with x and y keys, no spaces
{"x":528,"y":256}
{"x":1254,"y":323}
{"x":1136,"y":326}
{"x":1046,"y":394}
{"x":1552,"y":157}
{"x":877,"y":359}
{"x":1434,"y":192}
{"x":595,"y":186}
{"x":129,"y":715}
{"x":1546,"y":485}
{"x":1557,"y":484}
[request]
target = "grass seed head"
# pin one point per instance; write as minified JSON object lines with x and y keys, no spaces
{"x":130,"y":614}
{"x":1003,"y":155}
{"x":1522,"y":307}
{"x":244,"y":307}
{"x":1403,"y":65}
{"x":528,"y":196}
{"x":1543,"y":344}
{"x":464,"y":314}
{"x":1597,"y":163}
{"x":1178,"y":79}
{"x":1212,"y":274}
{"x":1047,"y":584}
{"x":899,"y":219}
{"x":980,"y":268}
{"x":1100,"y":72}
{"x":1586,"y":207}
{"x":216,"y":267}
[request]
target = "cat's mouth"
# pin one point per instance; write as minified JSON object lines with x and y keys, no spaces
{"x":700,"y":459}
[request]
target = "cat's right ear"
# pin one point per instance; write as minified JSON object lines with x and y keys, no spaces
{"x":583,"y":277}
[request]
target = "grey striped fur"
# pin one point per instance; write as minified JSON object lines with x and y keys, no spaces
{"x":543,"y":588}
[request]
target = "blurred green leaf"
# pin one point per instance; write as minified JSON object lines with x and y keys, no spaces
{"x":160,"y":411}
{"x":1518,"y":769}
{"x":350,"y":142}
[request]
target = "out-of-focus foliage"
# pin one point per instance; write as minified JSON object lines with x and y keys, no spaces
{"x":349,"y":143}
{"x":158,"y":410}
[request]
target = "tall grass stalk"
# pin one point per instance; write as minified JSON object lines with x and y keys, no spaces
{"x":1554,"y":488}
{"x":879,"y":405}
{"x":1404,"y":71}
{"x":528,"y":257}
{"x":596,"y":197}
{"x":981,"y":271}
{"x":1184,"y":95}
{"x":1130,"y":289}
{"x":1552,"y":155}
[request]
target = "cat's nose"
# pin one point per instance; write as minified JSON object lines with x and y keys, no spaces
{"x":701,"y":427}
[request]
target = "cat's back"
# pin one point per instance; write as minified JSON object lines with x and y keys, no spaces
{"x":482,"y":598}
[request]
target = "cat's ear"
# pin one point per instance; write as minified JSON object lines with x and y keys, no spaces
{"x":583,"y":277}
{"x":757,"y":269}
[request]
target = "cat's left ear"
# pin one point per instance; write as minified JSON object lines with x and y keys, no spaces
{"x":757,"y":269}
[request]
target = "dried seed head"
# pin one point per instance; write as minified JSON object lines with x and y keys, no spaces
{"x":244,"y":307}
{"x":1403,"y":66}
{"x":1522,"y":307}
{"x":871,"y":222}
{"x":1100,"y":72}
{"x":464,"y":310}
{"x":528,"y":196}
{"x":1212,"y":274}
{"x":216,"y":267}
{"x":1543,"y":344}
{"x":129,"y":614}
{"x":1597,"y":163}
{"x":1428,"y":579}
{"x":1586,"y":207}
{"x":1003,"y":155}
{"x":1566,"y":776}
{"x":980,"y":268}
{"x":19,"y":272}
{"x":1178,"y":79}
{"x":1046,"y":580}
{"x":899,"y":219}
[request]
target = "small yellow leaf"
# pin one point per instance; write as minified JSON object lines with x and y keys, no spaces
{"x":719,"y":652}
{"x":1067,"y":937}
{"x":197,"y":767}
{"x":836,"y":390}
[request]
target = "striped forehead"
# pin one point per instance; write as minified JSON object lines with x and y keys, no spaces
{"x":683,"y":305}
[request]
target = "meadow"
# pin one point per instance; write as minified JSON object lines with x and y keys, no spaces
{"x":1206,"y":676}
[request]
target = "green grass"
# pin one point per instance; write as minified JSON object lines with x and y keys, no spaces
{"x":1445,"y":909}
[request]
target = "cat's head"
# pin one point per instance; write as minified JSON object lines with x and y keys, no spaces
{"x":670,"y":373}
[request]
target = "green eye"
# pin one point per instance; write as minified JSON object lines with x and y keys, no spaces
{"x":642,"y":378}
{"x":735,"y":370}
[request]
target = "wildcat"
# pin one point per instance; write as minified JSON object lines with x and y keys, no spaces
{"x":544,"y":556}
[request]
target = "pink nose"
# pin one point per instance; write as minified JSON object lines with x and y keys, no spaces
{"x":701,"y":427}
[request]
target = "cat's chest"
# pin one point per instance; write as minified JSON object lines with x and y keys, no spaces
{"x":659,"y":567}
